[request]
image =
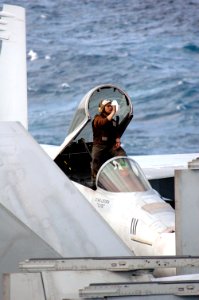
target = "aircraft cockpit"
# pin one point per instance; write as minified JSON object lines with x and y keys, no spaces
{"x":122,"y":174}
{"x":74,"y":155}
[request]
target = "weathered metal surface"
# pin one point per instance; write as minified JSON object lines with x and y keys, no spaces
{"x":141,"y":288}
{"x":13,"y":69}
{"x":59,"y":285}
{"x":42,"y":213}
{"x":22,"y":287}
{"x":187,"y":212}
{"x":36,"y":192}
{"x":109,"y":263}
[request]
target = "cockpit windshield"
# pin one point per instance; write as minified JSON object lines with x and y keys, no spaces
{"x":122,"y":174}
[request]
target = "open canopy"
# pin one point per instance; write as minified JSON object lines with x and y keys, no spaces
{"x":74,"y":156}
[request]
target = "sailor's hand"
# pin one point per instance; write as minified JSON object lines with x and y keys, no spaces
{"x":114,"y":108}
{"x":111,"y":115}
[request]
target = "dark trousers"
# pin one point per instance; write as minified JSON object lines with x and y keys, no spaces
{"x":101,"y":153}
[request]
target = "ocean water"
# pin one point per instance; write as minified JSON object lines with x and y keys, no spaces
{"x":149,"y":48}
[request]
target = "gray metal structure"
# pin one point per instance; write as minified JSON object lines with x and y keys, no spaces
{"x":42,"y":213}
{"x":13,"y":69}
{"x":187,"y":212}
{"x":114,"y":264}
{"x":93,"y":278}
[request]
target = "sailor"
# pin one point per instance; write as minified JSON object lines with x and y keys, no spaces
{"x":106,"y":137}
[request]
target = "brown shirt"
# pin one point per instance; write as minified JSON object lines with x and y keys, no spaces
{"x":104,"y":131}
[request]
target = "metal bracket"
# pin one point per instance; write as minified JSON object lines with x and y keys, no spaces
{"x":140,"y":289}
{"x":109,"y":264}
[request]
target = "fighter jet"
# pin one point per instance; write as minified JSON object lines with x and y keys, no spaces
{"x":135,"y":211}
{"x":122,"y":195}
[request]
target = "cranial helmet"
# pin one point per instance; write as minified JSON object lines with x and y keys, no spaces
{"x":102,"y":104}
